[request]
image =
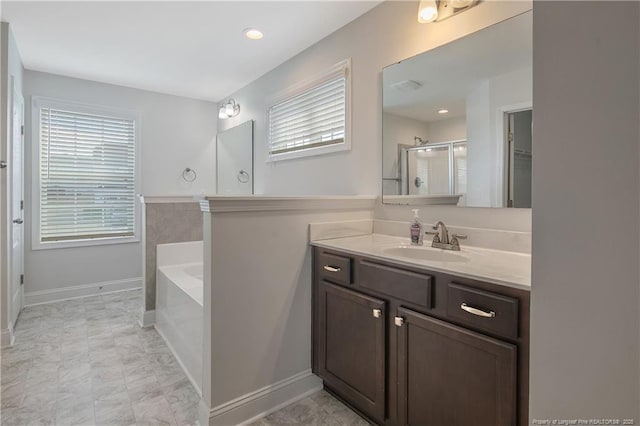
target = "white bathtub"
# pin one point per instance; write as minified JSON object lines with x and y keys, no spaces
{"x":179,"y":294}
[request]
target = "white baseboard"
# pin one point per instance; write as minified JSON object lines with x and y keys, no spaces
{"x":147,"y":318}
{"x":75,"y":292}
{"x":6,"y":336}
{"x":259,"y":403}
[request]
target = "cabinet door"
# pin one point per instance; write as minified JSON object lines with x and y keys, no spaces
{"x":450,"y":376}
{"x":351,"y":344}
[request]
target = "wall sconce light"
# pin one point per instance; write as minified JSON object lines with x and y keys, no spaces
{"x":228,"y":109}
{"x":437,"y":10}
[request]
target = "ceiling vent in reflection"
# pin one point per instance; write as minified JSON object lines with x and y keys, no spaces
{"x":406,"y":85}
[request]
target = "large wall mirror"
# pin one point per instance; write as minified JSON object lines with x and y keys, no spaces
{"x":456,"y":121}
{"x":234,"y":160}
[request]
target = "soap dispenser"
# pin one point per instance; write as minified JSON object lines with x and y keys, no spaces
{"x":415,"y":229}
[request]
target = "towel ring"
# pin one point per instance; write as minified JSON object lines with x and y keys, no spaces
{"x":189,"y":175}
{"x":243,"y":177}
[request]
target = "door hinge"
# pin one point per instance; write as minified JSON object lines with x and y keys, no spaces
{"x":21,"y":278}
{"x":510,"y":136}
{"x":21,"y":204}
{"x":22,"y":129}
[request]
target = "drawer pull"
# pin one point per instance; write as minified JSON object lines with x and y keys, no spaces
{"x":332,"y":268}
{"x":377,"y":313}
{"x":476,"y":311}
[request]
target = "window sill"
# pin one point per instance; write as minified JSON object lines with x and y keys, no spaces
{"x":310,"y":152}
{"x":38,"y":245}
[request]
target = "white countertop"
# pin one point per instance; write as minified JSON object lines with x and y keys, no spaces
{"x":495,"y":266}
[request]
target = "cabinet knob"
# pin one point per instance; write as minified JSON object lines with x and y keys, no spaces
{"x":377,"y":313}
{"x":398,"y":321}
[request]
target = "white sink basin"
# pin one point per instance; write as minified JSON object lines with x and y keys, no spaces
{"x":425,"y":253}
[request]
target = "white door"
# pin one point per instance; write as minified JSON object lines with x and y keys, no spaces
{"x":234,"y":160}
{"x":17,"y":205}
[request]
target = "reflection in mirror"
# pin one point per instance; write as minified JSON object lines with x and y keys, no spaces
{"x":457,"y":120}
{"x":234,"y":160}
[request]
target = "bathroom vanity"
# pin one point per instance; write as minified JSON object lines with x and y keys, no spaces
{"x":412,"y":341}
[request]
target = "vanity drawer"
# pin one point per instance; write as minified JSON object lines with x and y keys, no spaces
{"x":483,"y":310}
{"x":405,"y":285}
{"x":335,"y":268}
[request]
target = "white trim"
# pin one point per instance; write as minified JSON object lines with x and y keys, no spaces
{"x":341,"y":68}
{"x":221,"y":204}
{"x":168,"y":199}
{"x":147,"y":318}
{"x":261,"y":402}
{"x":175,"y":355}
{"x":38,"y":102}
{"x":78,"y":291}
{"x":7,"y":337}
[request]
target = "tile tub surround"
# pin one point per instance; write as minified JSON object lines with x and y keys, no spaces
{"x":171,"y":219}
{"x":179,"y":294}
{"x":495,"y":266}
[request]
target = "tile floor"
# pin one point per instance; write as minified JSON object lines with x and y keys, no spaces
{"x":88,"y":362}
{"x":318,"y":410}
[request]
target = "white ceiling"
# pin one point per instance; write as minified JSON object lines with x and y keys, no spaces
{"x":449,"y":73}
{"x":192,"y":49}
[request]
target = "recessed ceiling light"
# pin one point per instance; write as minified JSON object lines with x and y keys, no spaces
{"x":253,"y":34}
{"x":443,"y":111}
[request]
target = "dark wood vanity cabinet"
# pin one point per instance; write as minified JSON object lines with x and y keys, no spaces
{"x":352,"y":346}
{"x":448,"y":375}
{"x":406,"y":346}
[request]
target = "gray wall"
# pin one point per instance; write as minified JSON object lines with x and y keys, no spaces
{"x":584,"y":316}
{"x":175,"y":133}
{"x":387,"y":34}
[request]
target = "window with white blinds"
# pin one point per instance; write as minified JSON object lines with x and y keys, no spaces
{"x":313,"y":119}
{"x":86,"y":175}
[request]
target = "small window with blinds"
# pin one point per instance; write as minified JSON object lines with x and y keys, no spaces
{"x":312,"y":118}
{"x":86,"y":175}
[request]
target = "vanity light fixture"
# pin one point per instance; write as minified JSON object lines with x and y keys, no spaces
{"x":427,"y":11}
{"x":443,"y":111}
{"x":437,"y":10}
{"x":253,"y":34}
{"x":228,"y":109}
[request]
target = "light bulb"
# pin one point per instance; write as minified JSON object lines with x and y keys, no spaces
{"x":229,"y":109}
{"x":427,"y":11}
{"x":222,"y":114}
{"x":253,"y":34}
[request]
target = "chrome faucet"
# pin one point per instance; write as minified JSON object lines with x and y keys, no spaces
{"x":441,"y":237}
{"x":442,"y":233}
